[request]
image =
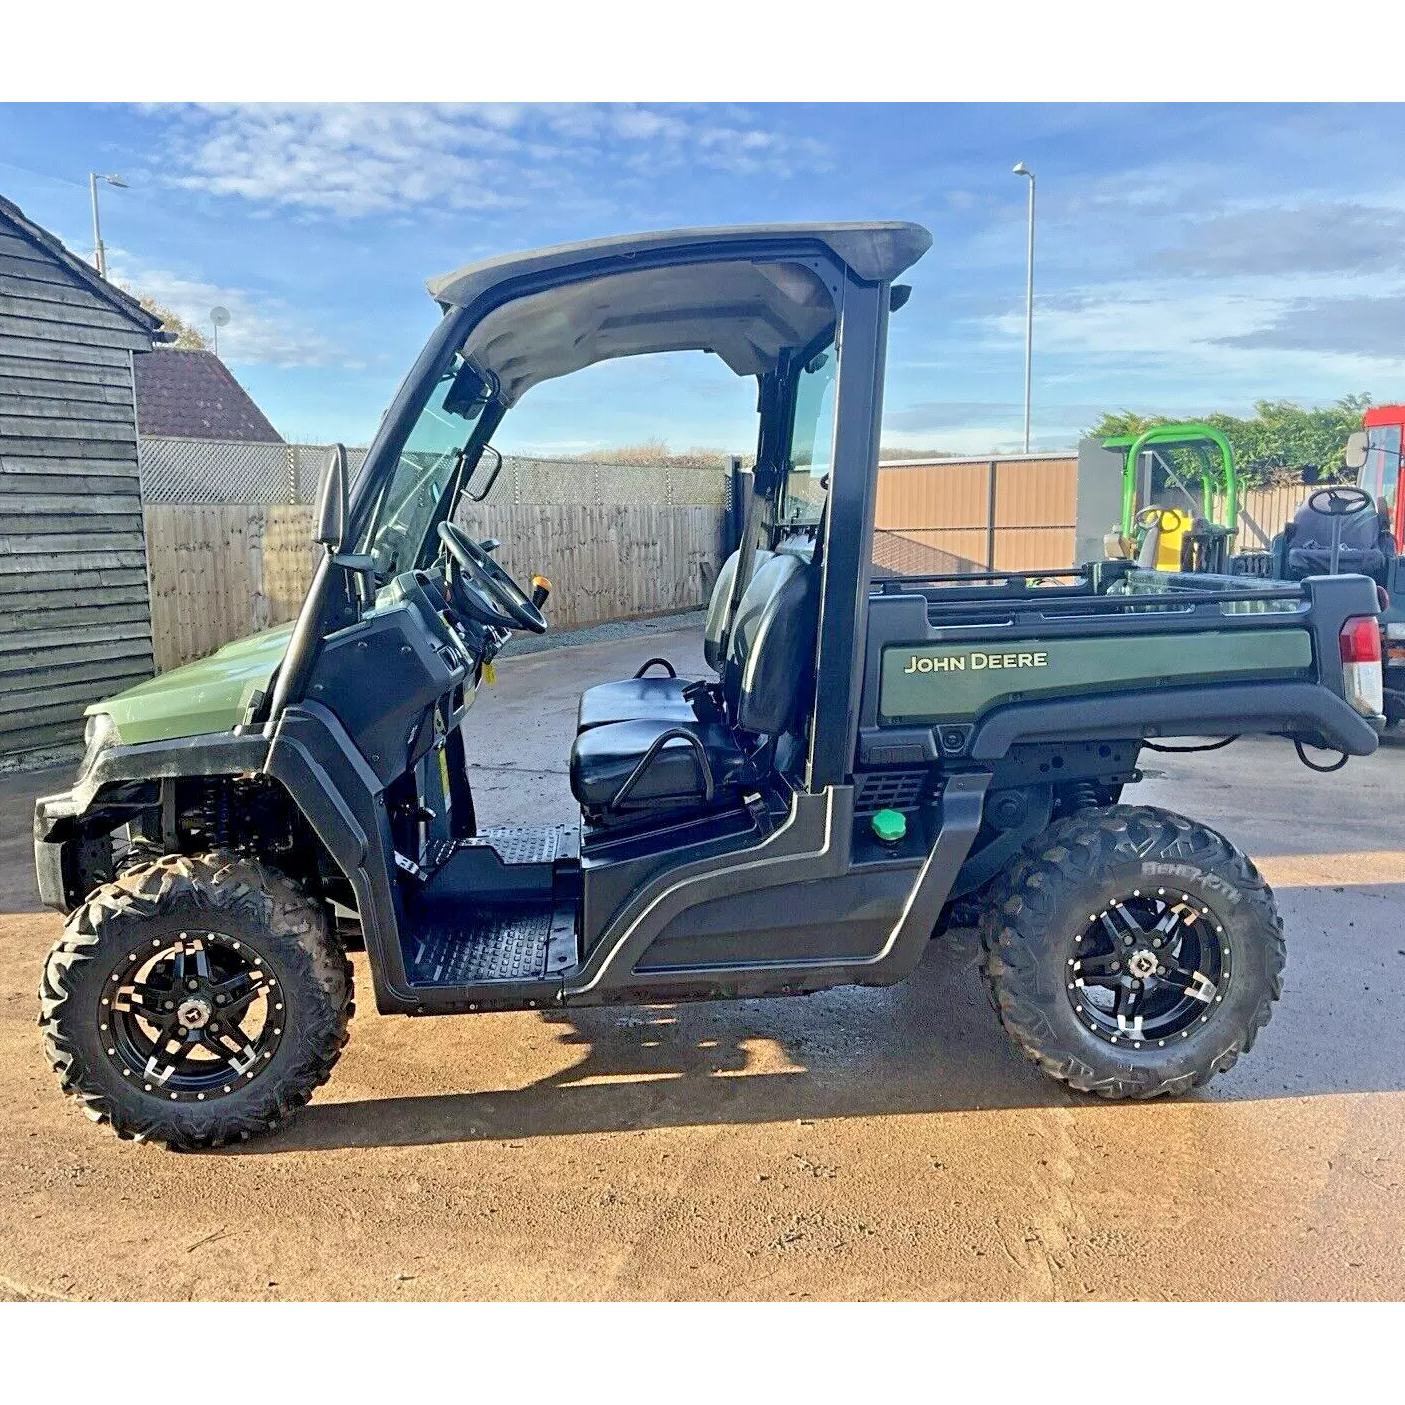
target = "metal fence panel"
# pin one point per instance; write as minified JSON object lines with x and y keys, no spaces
{"x":234,"y":471}
{"x":213,"y":471}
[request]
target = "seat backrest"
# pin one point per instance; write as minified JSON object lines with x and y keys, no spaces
{"x":1151,"y":544}
{"x":715,"y":624}
{"x":771,"y":661}
{"x":1359,"y":529}
{"x":1364,"y":536}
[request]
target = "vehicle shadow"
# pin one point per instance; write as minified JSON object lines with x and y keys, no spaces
{"x":930,"y":1045}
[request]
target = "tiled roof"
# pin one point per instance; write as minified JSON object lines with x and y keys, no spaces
{"x":192,"y":394}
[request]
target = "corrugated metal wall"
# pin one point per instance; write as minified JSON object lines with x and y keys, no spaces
{"x":1011,"y":514}
{"x":74,"y":617}
{"x":974,"y":514}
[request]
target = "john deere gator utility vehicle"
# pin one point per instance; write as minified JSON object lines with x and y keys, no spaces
{"x":1182,"y":531}
{"x":857,"y":761}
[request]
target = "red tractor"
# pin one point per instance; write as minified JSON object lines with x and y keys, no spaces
{"x":1376,"y":455}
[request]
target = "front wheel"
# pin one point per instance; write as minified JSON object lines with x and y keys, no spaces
{"x":1130,"y":952}
{"x":195,"y":1001}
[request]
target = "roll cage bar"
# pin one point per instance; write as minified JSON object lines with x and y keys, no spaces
{"x":1189,"y":435}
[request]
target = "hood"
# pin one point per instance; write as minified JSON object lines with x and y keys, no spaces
{"x":210,"y":695}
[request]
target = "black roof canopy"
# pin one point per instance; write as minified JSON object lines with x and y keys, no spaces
{"x":693,"y":289}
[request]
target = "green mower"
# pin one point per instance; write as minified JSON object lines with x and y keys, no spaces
{"x":1167,"y":536}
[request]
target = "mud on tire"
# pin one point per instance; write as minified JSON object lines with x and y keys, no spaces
{"x":272,"y":924}
{"x":1052,"y":905}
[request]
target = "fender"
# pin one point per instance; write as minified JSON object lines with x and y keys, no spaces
{"x":341,"y":797}
{"x":1306,"y":710}
{"x":118,"y":780}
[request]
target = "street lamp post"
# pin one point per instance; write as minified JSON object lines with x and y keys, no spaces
{"x":1022,"y":170}
{"x":99,"y":253}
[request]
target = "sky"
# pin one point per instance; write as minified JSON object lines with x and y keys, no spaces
{"x":1188,"y":258}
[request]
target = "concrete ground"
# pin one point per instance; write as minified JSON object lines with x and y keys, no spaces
{"x":857,"y":1144}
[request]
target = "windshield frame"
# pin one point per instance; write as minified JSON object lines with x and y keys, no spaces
{"x":861,"y":306}
{"x":1384,"y":446}
{"x":420,"y":534}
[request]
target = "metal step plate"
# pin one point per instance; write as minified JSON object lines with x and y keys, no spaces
{"x":519,"y":843}
{"x":490,"y":943}
{"x":513,"y":844}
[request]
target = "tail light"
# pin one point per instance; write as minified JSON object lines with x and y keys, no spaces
{"x":1360,"y":644}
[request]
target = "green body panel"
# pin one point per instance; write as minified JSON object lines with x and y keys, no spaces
{"x":209,"y":695}
{"x":951,"y":681}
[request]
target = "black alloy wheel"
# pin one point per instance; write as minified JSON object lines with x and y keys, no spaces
{"x":1149,"y":967}
{"x":194,"y":1017}
{"x":195,"y":1000}
{"x":1131,"y":952}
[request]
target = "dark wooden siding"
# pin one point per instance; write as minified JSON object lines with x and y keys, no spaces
{"x":75,"y":620}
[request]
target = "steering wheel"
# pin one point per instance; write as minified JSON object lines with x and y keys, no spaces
{"x":483,"y":588}
{"x":1339,"y":501}
{"x":1167,"y":518}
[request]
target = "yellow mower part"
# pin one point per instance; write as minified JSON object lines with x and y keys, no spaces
{"x":1169,"y":525}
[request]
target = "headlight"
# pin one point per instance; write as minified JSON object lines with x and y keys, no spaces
{"x":99,"y":733}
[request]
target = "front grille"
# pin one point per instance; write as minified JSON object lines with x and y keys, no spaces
{"x":898,"y":789}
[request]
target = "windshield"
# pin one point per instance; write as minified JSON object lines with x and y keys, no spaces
{"x":811,"y":443}
{"x":423,"y":474}
{"x":1381,"y":475}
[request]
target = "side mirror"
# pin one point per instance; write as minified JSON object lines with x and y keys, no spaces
{"x":489,"y":463}
{"x":331,"y":502}
{"x":1355,"y":453}
{"x":1311,"y":473}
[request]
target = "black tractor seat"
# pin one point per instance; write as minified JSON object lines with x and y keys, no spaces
{"x":665,"y":696}
{"x":1365,"y":544}
{"x":622,"y":767}
{"x":687,"y":764}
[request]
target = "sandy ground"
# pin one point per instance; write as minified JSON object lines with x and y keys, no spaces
{"x":858,"y":1144}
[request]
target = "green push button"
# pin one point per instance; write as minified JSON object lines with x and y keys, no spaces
{"x":889,"y":826}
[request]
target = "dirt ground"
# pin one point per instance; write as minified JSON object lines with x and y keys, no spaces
{"x":857,"y":1144}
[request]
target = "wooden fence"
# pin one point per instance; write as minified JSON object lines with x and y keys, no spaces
{"x":219,"y":572}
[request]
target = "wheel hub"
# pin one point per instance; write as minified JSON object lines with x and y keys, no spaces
{"x":194,"y":1013}
{"x":1142,"y":963}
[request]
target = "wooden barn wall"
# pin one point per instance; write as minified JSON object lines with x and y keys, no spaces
{"x":74,"y":618}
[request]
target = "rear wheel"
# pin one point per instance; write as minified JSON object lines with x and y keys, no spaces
{"x":195,"y":1000}
{"x":1132,"y":952}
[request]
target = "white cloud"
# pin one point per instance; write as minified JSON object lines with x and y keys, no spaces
{"x":260,"y":330}
{"x":1319,"y":237}
{"x":1257,"y":331}
{"x":362,"y":159}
